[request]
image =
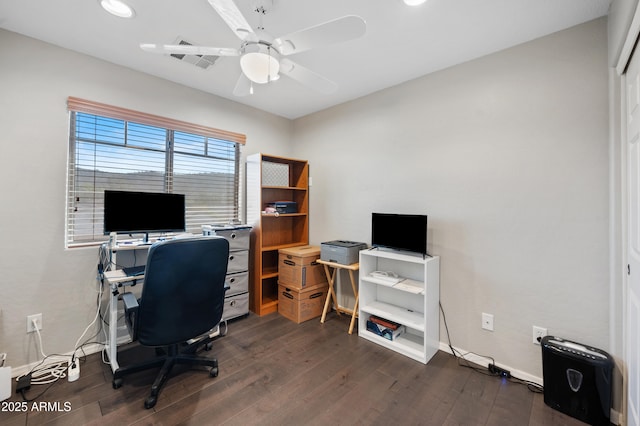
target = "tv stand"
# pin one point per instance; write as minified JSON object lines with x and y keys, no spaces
{"x":412,"y":302}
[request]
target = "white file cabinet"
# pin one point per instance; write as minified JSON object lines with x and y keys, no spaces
{"x":236,"y":303}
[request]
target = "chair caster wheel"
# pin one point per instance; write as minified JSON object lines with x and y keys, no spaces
{"x":208,"y":346}
{"x":150,"y":402}
{"x":213,"y":372}
{"x":117,"y":383}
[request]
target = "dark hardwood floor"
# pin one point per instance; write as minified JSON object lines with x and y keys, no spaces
{"x":276,"y":372}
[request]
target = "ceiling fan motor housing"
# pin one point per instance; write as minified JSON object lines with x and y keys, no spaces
{"x":260,"y":61}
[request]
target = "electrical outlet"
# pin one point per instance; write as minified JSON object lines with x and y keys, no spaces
{"x":487,"y":321}
{"x":30,"y":327}
{"x":538,"y":334}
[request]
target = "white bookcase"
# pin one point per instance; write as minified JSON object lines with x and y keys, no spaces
{"x":413,"y":302}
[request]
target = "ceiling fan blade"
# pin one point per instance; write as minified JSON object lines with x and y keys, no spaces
{"x":307,"y":77}
{"x":243,"y":86}
{"x":230,"y":13}
{"x":185,"y":49}
{"x":335,"y":31}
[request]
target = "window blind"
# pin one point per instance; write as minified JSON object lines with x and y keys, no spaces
{"x":109,"y":151}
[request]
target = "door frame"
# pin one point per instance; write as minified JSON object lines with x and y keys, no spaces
{"x":619,"y":207}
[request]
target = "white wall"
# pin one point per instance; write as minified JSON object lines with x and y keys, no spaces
{"x":38,"y":274}
{"x":508,"y":156}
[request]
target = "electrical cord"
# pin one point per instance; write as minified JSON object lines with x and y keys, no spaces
{"x":460,"y":357}
{"x":95,"y":319}
{"x":46,"y":375}
{"x":51,"y":373}
{"x":533,"y":387}
{"x":38,"y":376}
{"x":105,"y":261}
{"x":24,"y":396}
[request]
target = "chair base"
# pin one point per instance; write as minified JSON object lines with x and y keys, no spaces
{"x":166,"y":362}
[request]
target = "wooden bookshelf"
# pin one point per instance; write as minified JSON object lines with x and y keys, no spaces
{"x":269,"y":179}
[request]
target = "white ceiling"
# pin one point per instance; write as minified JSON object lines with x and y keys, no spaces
{"x":401,"y":42}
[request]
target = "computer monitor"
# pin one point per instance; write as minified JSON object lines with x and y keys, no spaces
{"x":130,"y":212}
{"x":407,"y":232}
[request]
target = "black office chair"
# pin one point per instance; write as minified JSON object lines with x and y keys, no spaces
{"x":182,"y":298}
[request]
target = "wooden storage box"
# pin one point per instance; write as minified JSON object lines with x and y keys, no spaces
{"x":298,"y":267}
{"x":301,"y":305}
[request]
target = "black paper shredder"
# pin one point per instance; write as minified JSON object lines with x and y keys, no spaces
{"x":577,"y":379}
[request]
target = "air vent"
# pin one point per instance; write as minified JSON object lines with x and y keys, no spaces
{"x":201,"y":61}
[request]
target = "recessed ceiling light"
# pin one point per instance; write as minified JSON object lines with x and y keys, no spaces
{"x":414,"y":2}
{"x":117,"y":8}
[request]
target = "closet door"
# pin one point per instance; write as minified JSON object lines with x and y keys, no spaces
{"x":632,"y":320}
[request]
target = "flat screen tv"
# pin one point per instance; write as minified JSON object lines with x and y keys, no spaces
{"x":406,"y":232}
{"x":130,"y":212}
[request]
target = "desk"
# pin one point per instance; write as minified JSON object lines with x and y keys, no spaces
{"x":331,"y":278}
{"x":114,"y":279}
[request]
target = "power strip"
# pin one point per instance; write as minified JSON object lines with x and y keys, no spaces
{"x":494,"y":369}
{"x":73,"y":373}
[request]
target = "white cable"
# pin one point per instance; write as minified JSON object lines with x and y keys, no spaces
{"x":89,"y":326}
{"x":35,"y":326}
{"x":50,"y":373}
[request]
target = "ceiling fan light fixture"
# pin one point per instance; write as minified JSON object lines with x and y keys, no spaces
{"x":259,"y":64}
{"x":414,"y":2}
{"x":117,"y":8}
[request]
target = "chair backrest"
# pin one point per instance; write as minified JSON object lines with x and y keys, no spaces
{"x":183,"y":292}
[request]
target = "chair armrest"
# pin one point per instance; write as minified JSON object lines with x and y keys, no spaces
{"x":130,"y":313}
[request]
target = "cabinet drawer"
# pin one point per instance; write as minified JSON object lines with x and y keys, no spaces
{"x":238,"y":237}
{"x":235,"y":306}
{"x":238,"y":261}
{"x":238,"y":283}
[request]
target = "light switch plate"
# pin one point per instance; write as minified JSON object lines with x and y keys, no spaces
{"x":487,"y":321}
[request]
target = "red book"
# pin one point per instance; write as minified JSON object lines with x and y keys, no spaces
{"x":383,"y":322}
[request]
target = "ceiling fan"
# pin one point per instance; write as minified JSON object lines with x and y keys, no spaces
{"x":262,"y":57}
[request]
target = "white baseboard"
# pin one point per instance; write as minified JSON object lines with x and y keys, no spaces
{"x":24,"y":369}
{"x":484,"y":362}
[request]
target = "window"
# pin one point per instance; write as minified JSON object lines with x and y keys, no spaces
{"x":114,"y":148}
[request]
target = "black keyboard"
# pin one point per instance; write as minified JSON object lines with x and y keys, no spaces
{"x":134,"y":271}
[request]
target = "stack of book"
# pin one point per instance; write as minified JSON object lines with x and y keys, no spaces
{"x":384,"y":328}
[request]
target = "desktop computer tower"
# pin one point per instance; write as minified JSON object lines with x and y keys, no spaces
{"x":577,"y":379}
